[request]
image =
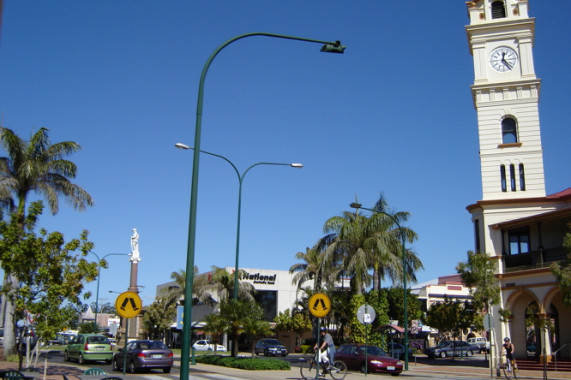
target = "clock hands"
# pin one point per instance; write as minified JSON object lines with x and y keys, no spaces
{"x":506,"y":63}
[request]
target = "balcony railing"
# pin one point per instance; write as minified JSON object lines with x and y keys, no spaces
{"x":535,"y":259}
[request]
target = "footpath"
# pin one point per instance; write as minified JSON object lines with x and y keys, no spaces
{"x":438,"y":370}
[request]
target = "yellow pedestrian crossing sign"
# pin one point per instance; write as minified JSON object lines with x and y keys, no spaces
{"x":319,"y":305}
{"x":128,"y":304}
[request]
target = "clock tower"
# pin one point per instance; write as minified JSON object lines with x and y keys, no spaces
{"x":506,"y":95}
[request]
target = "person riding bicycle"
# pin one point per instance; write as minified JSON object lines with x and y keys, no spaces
{"x":509,"y":347}
{"x":327,"y":343}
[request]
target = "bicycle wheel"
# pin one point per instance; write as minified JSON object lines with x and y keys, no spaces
{"x":508,"y":370}
{"x":307,"y":369}
{"x":516,"y":373}
{"x":339,"y":370}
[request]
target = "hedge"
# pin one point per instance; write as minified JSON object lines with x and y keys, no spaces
{"x":251,"y":364}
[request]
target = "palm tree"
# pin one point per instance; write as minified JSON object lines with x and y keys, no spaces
{"x":218,"y":285}
{"x":348,"y":243}
{"x":388,"y":245}
{"x":40,"y":167}
{"x":311,"y":269}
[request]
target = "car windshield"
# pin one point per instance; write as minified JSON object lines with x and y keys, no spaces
{"x":374,"y":350}
{"x":271,"y":341}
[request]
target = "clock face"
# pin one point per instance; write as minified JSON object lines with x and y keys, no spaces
{"x":503,"y":59}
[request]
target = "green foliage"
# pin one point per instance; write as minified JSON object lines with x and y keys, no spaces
{"x":395,"y":299}
{"x":361,"y":333}
{"x":86,"y":328}
{"x":51,"y":272}
{"x":478,"y":274}
{"x":449,"y":317}
{"x":250,"y":364}
{"x":158,"y":317}
{"x":562,"y":272}
{"x":292,"y":321}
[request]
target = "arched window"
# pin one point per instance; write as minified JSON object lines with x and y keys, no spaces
{"x":509,"y":131}
{"x":498,"y":9}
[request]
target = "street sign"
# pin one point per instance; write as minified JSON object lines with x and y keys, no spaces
{"x":488,"y":322}
{"x":128,"y":304}
{"x":319,"y":305}
{"x":366,"y":314}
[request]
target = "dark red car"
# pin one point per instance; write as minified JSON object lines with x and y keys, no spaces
{"x":354,"y":357}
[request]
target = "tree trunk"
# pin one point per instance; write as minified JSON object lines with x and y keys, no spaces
{"x":9,"y":340}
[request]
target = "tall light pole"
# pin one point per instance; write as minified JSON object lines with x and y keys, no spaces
{"x":330,"y":47}
{"x":404,"y":274}
{"x":99,"y":260}
{"x":240,"y":181}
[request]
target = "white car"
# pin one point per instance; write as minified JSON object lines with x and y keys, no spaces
{"x":206,"y":345}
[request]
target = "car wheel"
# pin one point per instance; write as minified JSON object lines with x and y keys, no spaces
{"x":266,"y":353}
{"x":132,"y":368}
{"x":209,"y":348}
{"x":442,"y":354}
{"x":115,"y":365}
{"x":167,"y":370}
{"x":469,"y":353}
{"x":284,"y":355}
{"x":81,"y":360}
{"x":65,"y":356}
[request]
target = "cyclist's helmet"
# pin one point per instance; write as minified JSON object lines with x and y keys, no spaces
{"x":506,"y":339}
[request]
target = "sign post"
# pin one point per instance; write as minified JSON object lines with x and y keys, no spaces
{"x":366,"y":315}
{"x":128,"y":305}
{"x":319,"y":306}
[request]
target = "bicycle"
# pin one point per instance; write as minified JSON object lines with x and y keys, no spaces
{"x":509,"y":371}
{"x":338,"y":371}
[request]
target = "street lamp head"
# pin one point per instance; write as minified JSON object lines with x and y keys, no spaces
{"x":182,"y":146}
{"x":333,"y":47}
{"x":355,"y":205}
{"x":296,"y":165}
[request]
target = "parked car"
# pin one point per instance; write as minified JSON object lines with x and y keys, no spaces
{"x":206,"y":345}
{"x":270,"y":347}
{"x":451,"y":348}
{"x":481,"y":342}
{"x":353,"y":355}
{"x":144,"y":355}
{"x":88,"y":347}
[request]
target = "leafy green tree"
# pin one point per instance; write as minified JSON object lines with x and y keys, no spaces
{"x":562,"y":272}
{"x":234,"y":314}
{"x":215,"y":325}
{"x":395,"y":299}
{"x":478,"y":274}
{"x":158,"y":317}
{"x":293,"y":321}
{"x":33,"y":166}
{"x":51,"y":272}
{"x":255,"y":327}
{"x":450,"y":318}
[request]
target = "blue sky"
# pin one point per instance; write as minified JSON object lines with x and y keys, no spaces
{"x":392,"y":115}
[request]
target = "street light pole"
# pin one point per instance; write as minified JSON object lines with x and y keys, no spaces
{"x":240,"y":181}
{"x":330,"y":47}
{"x":404,"y":274}
{"x":98,"y":278}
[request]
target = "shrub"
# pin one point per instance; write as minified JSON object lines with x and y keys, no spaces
{"x":252,"y":364}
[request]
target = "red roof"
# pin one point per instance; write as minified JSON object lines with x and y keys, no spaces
{"x":562,"y":194}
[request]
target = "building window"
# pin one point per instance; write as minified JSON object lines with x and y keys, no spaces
{"x":512,"y":177}
{"x":519,"y":241}
{"x":498,"y":9}
{"x":503,"y":176}
{"x":509,"y":131}
{"x":521,"y":178}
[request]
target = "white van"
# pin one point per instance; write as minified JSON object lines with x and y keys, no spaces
{"x":482,"y":343}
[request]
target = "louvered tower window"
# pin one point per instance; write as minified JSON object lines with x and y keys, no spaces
{"x":503,"y":177}
{"x":509,"y":131}
{"x":498,"y":9}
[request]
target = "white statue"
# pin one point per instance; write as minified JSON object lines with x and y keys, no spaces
{"x":135,"y":247}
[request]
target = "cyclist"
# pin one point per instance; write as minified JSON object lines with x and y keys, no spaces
{"x":327,"y":343}
{"x":509,"y":347}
